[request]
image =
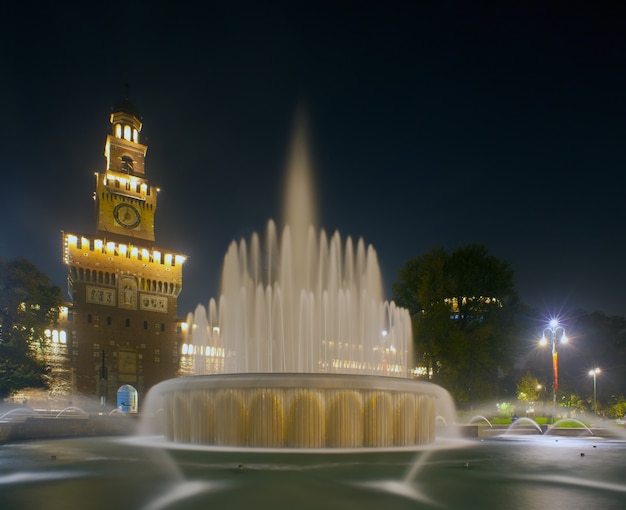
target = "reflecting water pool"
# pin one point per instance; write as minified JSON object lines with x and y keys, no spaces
{"x":504,"y":473}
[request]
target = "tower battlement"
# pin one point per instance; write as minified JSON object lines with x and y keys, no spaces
{"x":93,"y":252}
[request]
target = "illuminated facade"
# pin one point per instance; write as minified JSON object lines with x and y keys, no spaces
{"x":122,"y":328}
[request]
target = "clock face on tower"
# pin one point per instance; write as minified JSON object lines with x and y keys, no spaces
{"x":126,"y":215}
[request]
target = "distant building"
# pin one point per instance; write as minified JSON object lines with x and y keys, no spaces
{"x":121,"y":331}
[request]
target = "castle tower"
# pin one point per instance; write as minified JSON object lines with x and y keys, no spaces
{"x":124,"y":289}
{"x":125,"y":202}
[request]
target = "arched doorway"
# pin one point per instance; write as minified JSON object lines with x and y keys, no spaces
{"x":127,"y":399}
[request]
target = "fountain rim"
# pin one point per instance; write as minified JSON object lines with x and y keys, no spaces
{"x":158,"y":441}
{"x":289,"y":380}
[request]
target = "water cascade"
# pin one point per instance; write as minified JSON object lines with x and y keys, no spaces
{"x":300,"y":350}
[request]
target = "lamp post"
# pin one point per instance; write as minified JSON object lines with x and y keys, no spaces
{"x":555,"y":333}
{"x":594,"y":373}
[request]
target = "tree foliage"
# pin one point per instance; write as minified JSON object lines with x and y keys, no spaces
{"x":465,"y":313}
{"x":617,"y":407}
{"x":29,"y":305}
{"x":528,"y":388}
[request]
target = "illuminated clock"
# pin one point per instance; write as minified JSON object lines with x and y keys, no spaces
{"x":126,"y":215}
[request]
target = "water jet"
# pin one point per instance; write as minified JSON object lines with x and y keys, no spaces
{"x":300,"y":350}
{"x":517,"y":425}
{"x":479,"y":417}
{"x":579,"y":423}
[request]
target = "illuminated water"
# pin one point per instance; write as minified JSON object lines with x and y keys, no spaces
{"x":300,"y":301}
{"x":297,"y":411}
{"x":301,"y":350}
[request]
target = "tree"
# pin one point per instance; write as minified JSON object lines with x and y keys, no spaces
{"x":528,"y":389}
{"x":29,"y":305}
{"x":574,"y":403}
{"x":465,"y":313}
{"x":617,"y":407}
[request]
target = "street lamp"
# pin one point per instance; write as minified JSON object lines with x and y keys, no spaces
{"x":594,"y":373}
{"x":555,"y":333}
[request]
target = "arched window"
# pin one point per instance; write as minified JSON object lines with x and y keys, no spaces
{"x":127,"y":399}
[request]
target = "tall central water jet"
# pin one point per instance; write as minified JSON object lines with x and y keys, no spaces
{"x":295,"y":342}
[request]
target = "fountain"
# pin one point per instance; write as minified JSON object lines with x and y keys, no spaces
{"x":19,"y":413}
{"x":480,"y":417}
{"x":72,"y":411}
{"x":300,"y":351}
{"x":337,"y":406}
{"x":516,"y":426}
{"x":568,"y":421}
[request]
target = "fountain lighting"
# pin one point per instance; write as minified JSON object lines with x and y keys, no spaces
{"x":336,"y":323}
{"x":283,"y":410}
{"x":300,"y":350}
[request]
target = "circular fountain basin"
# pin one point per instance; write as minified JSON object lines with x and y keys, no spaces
{"x":282,"y":410}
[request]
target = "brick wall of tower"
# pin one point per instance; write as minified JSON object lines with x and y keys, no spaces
{"x":140,"y":348}
{"x":123,"y":323}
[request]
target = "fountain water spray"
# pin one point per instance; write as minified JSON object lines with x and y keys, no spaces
{"x":301,"y":349}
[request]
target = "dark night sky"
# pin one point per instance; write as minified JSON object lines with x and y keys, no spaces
{"x":436,"y":125}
